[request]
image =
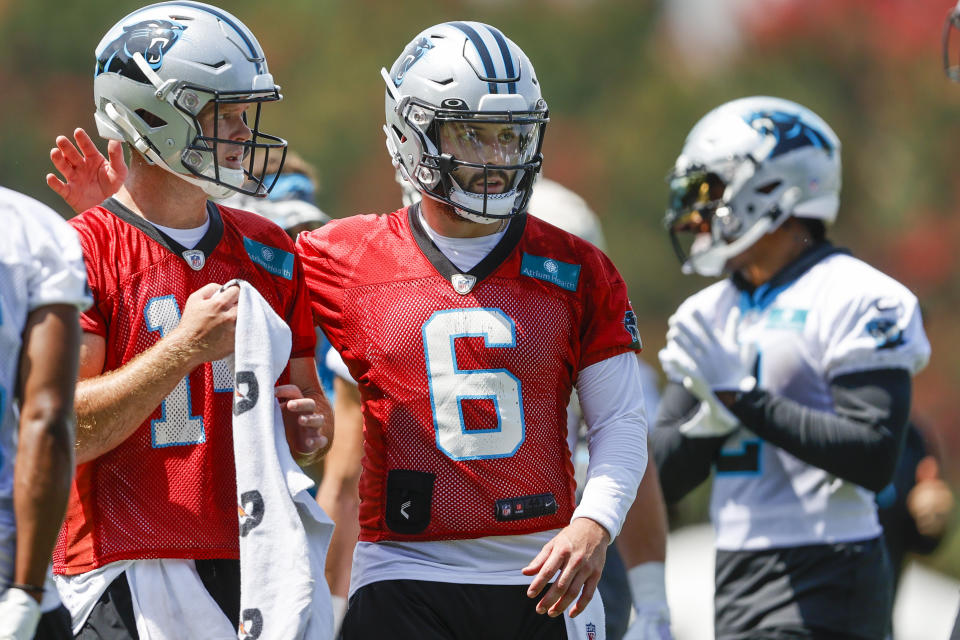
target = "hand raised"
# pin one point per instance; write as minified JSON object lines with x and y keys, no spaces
{"x":89,"y":178}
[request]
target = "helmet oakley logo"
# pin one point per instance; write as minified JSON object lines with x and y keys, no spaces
{"x":789,"y":130}
{"x":414,"y":52}
{"x":151,"y":38}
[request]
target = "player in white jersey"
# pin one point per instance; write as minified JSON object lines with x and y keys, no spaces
{"x":42,"y":284}
{"x":792,"y":378}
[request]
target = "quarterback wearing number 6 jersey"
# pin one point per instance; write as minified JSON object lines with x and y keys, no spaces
{"x":466,"y":323}
{"x":465,"y":394}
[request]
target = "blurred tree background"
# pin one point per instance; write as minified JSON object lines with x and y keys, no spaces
{"x":625,"y":81}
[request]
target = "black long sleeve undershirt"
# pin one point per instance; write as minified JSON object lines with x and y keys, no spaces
{"x":682,"y":462}
{"x":860,"y":443}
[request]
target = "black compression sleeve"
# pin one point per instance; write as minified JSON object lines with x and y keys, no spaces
{"x":683,"y":463}
{"x":860,"y":443}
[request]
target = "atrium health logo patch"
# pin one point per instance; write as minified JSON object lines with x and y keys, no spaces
{"x":563,"y":274}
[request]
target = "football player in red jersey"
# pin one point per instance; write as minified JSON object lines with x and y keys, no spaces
{"x":151,"y":525}
{"x":466,"y":323}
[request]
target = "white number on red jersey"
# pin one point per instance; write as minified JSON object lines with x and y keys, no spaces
{"x":450,"y":386}
{"x":176,"y":426}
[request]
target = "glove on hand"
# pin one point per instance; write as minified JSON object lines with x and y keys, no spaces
{"x":19,"y":615}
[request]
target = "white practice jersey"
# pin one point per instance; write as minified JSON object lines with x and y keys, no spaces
{"x":40,"y":264}
{"x":840,"y":316}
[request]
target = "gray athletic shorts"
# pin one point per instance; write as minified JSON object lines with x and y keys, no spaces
{"x":834,"y":591}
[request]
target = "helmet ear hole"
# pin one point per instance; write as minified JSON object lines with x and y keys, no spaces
{"x":153,"y":120}
{"x":769,"y":187}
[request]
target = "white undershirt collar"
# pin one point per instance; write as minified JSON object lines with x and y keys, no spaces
{"x":464,"y":253}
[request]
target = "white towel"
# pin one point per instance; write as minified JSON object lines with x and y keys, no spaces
{"x":284,"y":534}
{"x":170,"y":601}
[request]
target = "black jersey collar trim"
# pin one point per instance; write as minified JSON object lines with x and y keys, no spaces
{"x":207,"y":243}
{"x":763,"y":295}
{"x":482,"y":269}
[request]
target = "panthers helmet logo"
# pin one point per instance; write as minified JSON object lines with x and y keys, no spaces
{"x":789,"y":130}
{"x":151,"y":38}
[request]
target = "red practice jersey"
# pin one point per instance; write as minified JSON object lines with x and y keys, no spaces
{"x":169,"y":490}
{"x":464,"y":377}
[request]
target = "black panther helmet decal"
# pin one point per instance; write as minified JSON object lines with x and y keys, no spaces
{"x":152,"y":39}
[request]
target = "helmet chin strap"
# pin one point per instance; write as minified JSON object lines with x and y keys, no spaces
{"x":712,"y":261}
{"x":499,"y":204}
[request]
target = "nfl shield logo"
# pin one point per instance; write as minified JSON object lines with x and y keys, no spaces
{"x":591,"y":631}
{"x":463,"y":283}
{"x":195,"y":259}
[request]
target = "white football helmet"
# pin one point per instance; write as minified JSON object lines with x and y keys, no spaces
{"x":159,"y":66}
{"x":465,"y":119}
{"x":561,"y":207}
{"x":951,"y":24}
{"x":745,"y":167}
{"x":289,"y":205}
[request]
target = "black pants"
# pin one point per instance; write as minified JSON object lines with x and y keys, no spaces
{"x":112,"y":617}
{"x":54,"y":625}
{"x":614,"y":587}
{"x":421,"y":610}
{"x":818,"y":592}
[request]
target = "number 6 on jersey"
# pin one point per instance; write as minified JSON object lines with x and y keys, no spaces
{"x":450,"y":386}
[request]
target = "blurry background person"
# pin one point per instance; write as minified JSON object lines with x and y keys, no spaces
{"x":292,"y":205}
{"x":292,"y":202}
{"x":915,"y":508}
{"x":43,"y":283}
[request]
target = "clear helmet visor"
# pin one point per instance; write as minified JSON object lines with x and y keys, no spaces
{"x":696,"y":213}
{"x":489,"y":155}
